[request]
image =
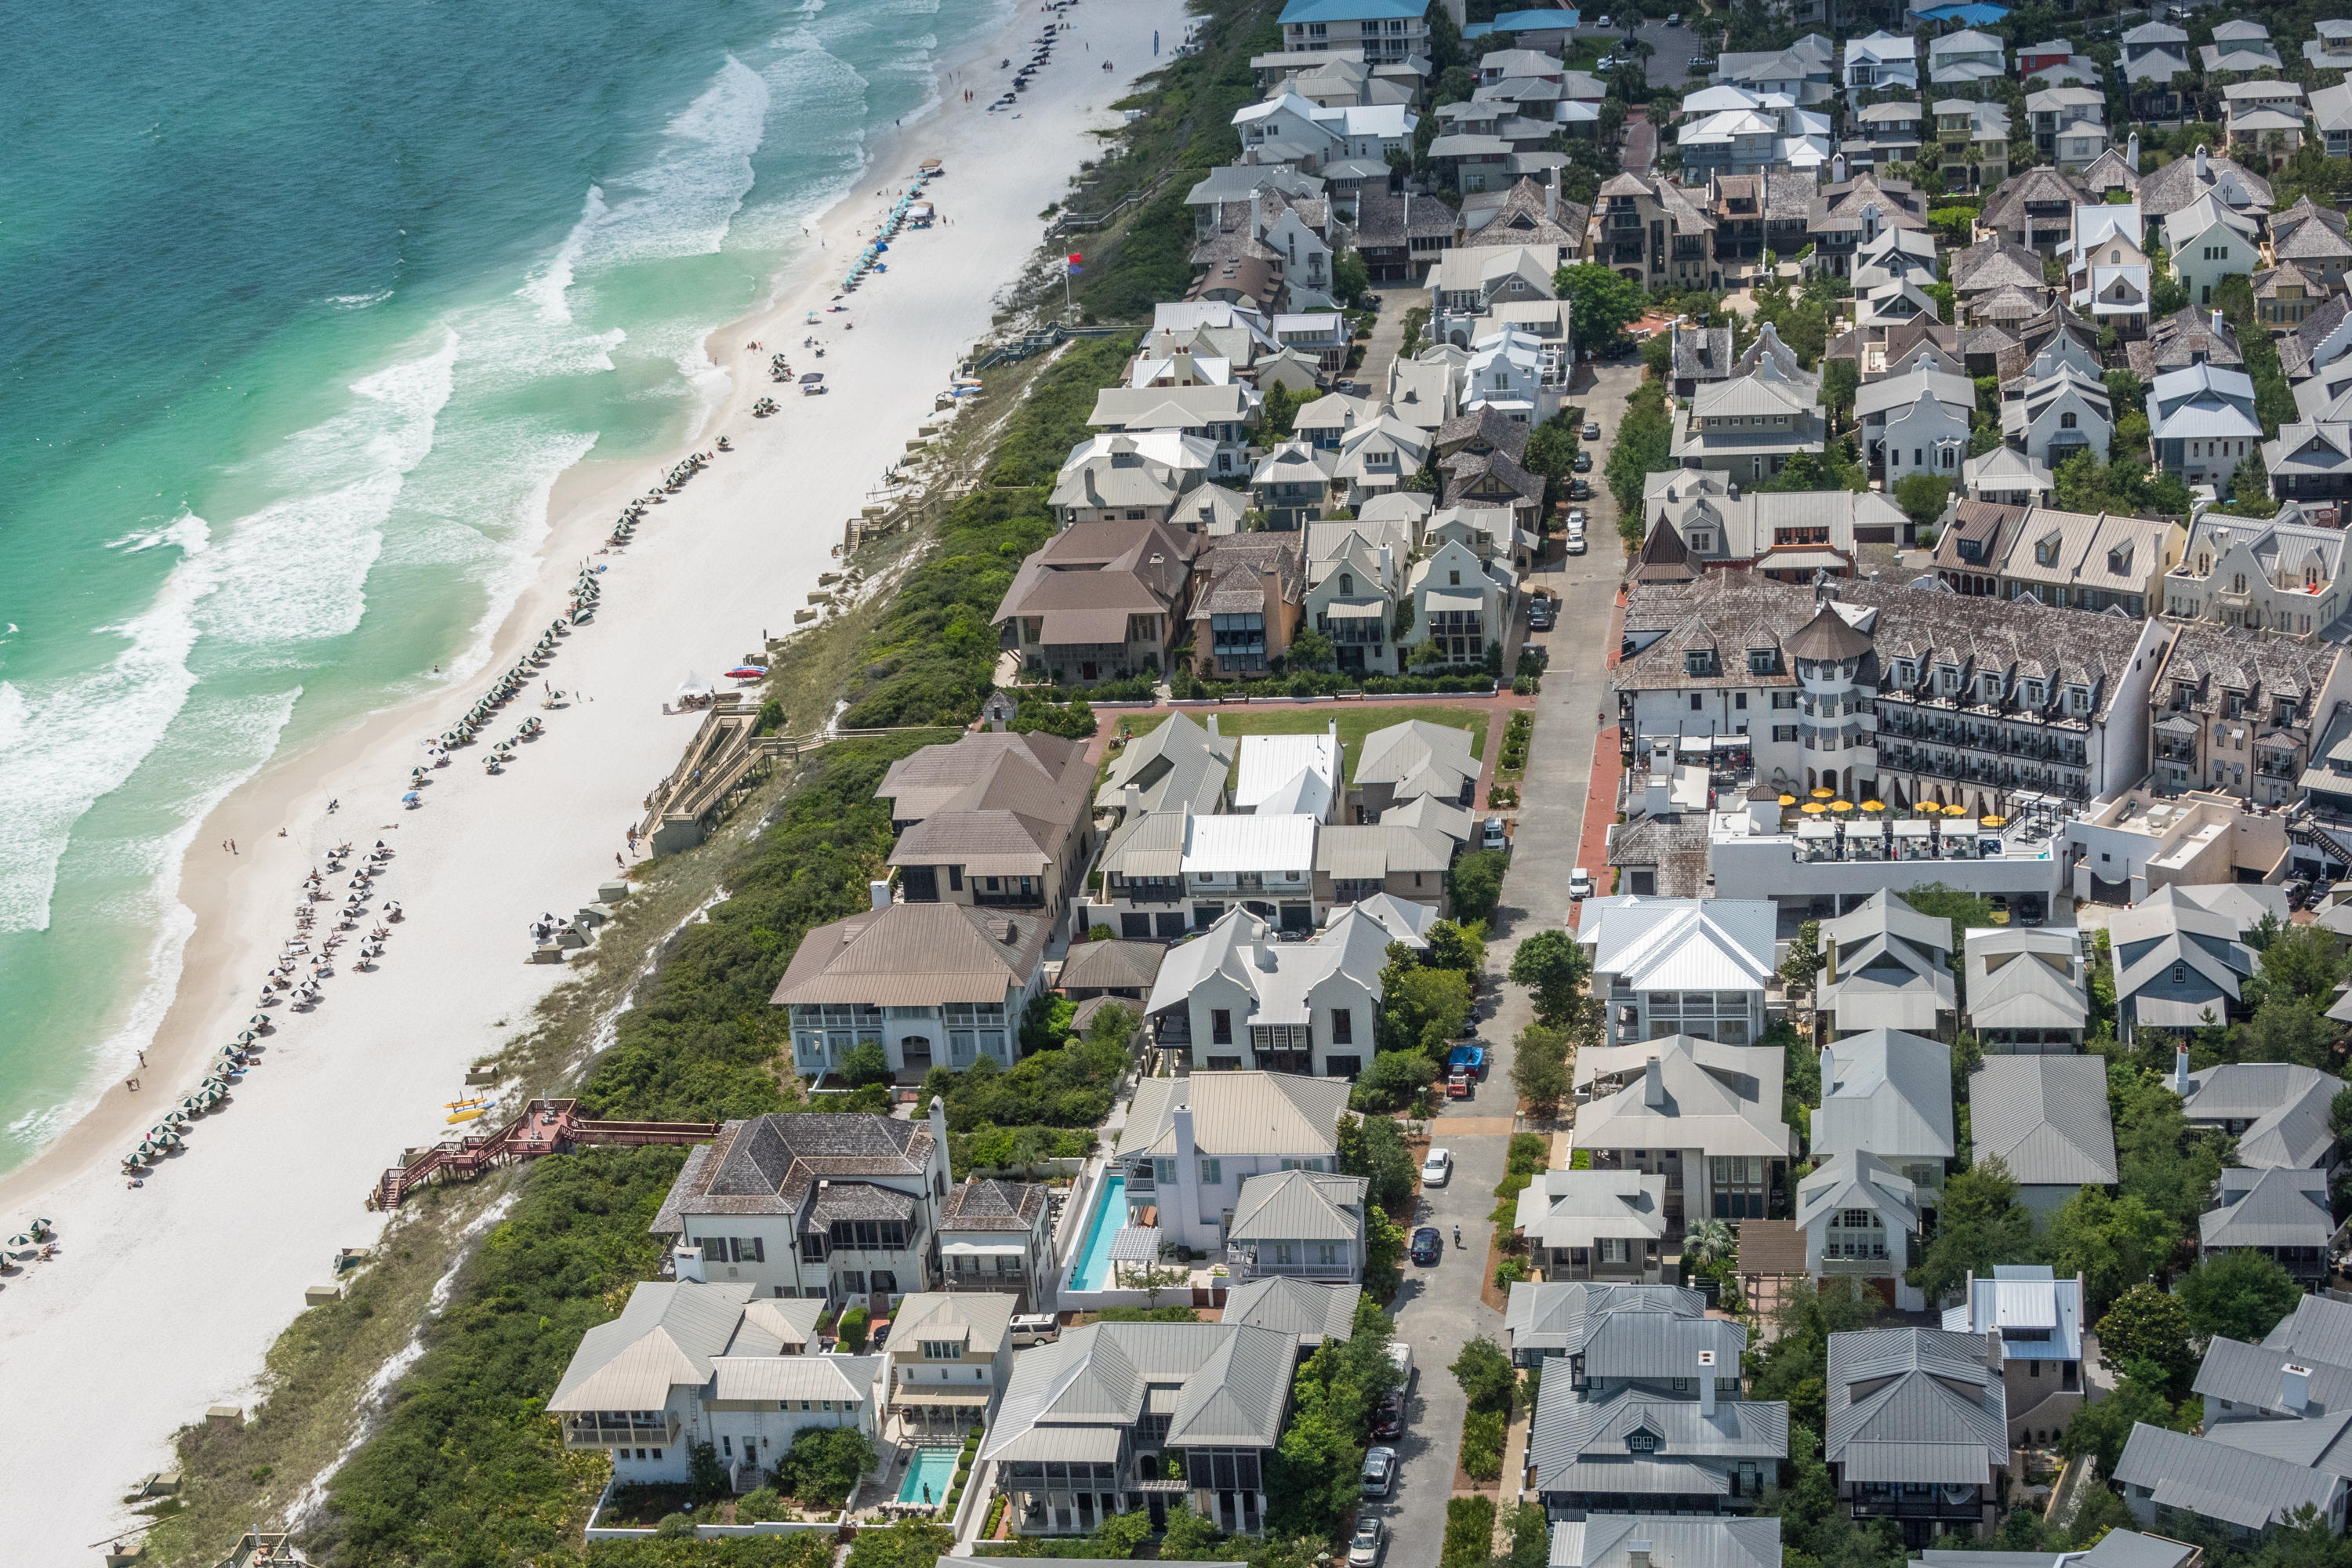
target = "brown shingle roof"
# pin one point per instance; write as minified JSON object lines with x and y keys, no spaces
{"x":916,"y":955}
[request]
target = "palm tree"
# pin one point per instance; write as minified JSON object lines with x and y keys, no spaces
{"x":1707,"y":1242}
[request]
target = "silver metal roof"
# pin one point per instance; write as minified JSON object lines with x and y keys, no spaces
{"x":2045,"y":1116}
{"x":2217,"y":1482}
{"x":1914,"y":1405}
{"x":1606,"y":1541}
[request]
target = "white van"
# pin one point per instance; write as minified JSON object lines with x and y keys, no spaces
{"x":1401,"y":1353}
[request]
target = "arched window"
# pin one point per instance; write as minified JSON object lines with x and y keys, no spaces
{"x":1346,"y":583}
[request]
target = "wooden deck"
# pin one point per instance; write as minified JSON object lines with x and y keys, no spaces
{"x":545,"y":1127}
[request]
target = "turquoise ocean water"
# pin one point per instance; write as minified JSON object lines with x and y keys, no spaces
{"x":304,"y":304}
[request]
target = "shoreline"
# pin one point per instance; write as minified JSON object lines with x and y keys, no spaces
{"x":337,"y":1093}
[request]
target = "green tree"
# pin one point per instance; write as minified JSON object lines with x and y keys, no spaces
{"x":2283,"y":1030}
{"x":2151,"y":1327}
{"x":1310,"y":650}
{"x":1189,"y":1536}
{"x":909,"y":1543}
{"x":1476,"y":884}
{"x":1804,"y":960}
{"x":1485,"y":1373}
{"x":1981,"y":1224}
{"x":1424,"y":1009}
{"x":2301,"y":964}
{"x":1351,"y":278}
{"x":1276,"y":410}
{"x":1384,"y":1243}
{"x":1602,"y":303}
{"x":822,"y":1467}
{"x":1372,"y":1148}
{"x":2113,"y":1243}
{"x":1553,"y":966}
{"x":1840,"y":381}
{"x":866,"y":1062}
{"x":1539,"y":1069}
{"x":1391,"y":1082}
{"x":2238,"y":1296}
{"x":851,"y":1329}
{"x":2103,"y":1426}
{"x":1455,"y":946}
{"x":706,"y":1478}
{"x":1922,"y":496}
{"x":1530,"y":1537}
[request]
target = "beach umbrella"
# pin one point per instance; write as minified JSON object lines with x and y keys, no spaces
{"x":1990,"y":821}
{"x":245,"y":1037}
{"x":1874,"y":806}
{"x":1841,"y":805}
{"x":1788,"y":800}
{"x":409,"y":799}
{"x":1824,"y":793}
{"x":19,"y":1241}
{"x":1813,"y":808}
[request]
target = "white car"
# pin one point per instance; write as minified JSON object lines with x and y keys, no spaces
{"x":1602,"y":23}
{"x":1577,"y":517}
{"x":1575,"y":544}
{"x":1364,"y":1546}
{"x":1380,"y":1471}
{"x":1437,"y":1168}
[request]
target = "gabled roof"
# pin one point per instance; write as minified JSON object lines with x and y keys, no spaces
{"x":1310,"y":1308}
{"x":978,"y":1319}
{"x":1722,"y":1099}
{"x":665,"y":1337}
{"x":1851,"y":1179}
{"x":1574,"y":1209}
{"x":1176,"y":764}
{"x":914,"y":954}
{"x":1584,"y":1445}
{"x":1069,"y":1399}
{"x":2038,"y":1315}
{"x":2284,"y":1105}
{"x":767,"y":1164}
{"x":1112,"y":966}
{"x":1299,"y":1206}
{"x":2151,"y":940}
{"x":1570,"y":1316}
{"x":2046,"y":1118}
{"x":1913,"y":1405}
{"x":2019,"y":978}
{"x":1417,"y":758}
{"x":2275,"y":1207}
{"x":1887,"y":1092}
{"x":2219,"y":1480}
{"x":1241,"y":1112}
{"x":977,"y":1205}
{"x":1680,"y":943}
{"x":1609,"y":1541}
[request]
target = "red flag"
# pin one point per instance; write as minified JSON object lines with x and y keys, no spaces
{"x":1076,"y":258}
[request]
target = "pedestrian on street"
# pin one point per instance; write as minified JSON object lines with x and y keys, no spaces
{"x":1458,"y":1236}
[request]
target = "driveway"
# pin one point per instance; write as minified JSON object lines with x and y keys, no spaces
{"x":1672,"y":48}
{"x":1440,"y":1307}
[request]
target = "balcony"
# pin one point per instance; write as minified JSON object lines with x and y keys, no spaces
{"x":1250,"y":1262}
{"x":600,"y":1429}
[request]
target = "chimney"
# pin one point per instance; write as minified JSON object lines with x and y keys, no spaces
{"x":688,"y":1262}
{"x":2217,"y":324}
{"x":1829,"y":1071}
{"x":1130,"y":801}
{"x":1265,"y":959}
{"x":1212,"y":726}
{"x":1653,"y":1085}
{"x":1386,"y":579}
{"x":877,"y":894}
{"x":2181,"y":1085}
{"x":2131,"y":151}
{"x":2203,"y":174}
{"x":1637,"y":1554}
{"x":2294,"y":1386}
{"x":1706,"y":1385}
{"x":1180,"y":1123}
{"x":939,"y":1129}
{"x":1994,"y":1356}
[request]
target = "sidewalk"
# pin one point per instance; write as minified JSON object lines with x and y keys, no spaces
{"x":1600,"y":812}
{"x":1514,"y":1467}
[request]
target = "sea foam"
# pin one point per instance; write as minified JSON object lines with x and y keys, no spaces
{"x":681,"y":204}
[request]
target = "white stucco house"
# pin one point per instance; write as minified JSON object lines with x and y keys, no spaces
{"x":1244,"y":999}
{"x":1191,"y":1143}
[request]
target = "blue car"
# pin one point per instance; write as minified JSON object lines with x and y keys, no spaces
{"x":1428,"y":1246}
{"x":1471,"y":1059}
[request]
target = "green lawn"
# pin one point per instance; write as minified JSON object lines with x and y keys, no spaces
{"x":1356,"y":719}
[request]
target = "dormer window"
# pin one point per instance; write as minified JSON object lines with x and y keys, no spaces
{"x":2284,"y":713}
{"x":1699,"y":661}
{"x":1642,"y":1442}
{"x":1991,"y":687}
{"x":2183,"y":694}
{"x":2119,"y":560}
{"x":1907,"y":674}
{"x":2033,"y":694}
{"x":1950,"y":680}
{"x":2045,"y":551}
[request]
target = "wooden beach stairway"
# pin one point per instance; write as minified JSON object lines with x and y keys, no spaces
{"x":723,"y":758}
{"x":545,"y":1127}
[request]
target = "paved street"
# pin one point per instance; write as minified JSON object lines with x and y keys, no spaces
{"x":1673,"y":47}
{"x":1440,"y":1307}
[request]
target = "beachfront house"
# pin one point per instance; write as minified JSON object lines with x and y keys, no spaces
{"x":1240,"y":997}
{"x":993,"y":821}
{"x":1191,"y":1143}
{"x":1132,"y":476}
{"x":1096,"y":1423}
{"x":693,"y":1362}
{"x":933,"y":985}
{"x":949,"y":1356}
{"x":841,"y":1205}
{"x":998,"y":1237}
{"x":1101,"y":600}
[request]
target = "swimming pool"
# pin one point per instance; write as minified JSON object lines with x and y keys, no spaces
{"x":932,"y":1468}
{"x":1110,"y":1217}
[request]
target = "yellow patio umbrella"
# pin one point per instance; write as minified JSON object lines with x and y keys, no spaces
{"x":1813,"y":808}
{"x":1788,"y":800}
{"x":1841,"y":805}
{"x":1824,"y":793}
{"x":1956,"y":809}
{"x":1874,"y":806}
{"x":1990,"y":821}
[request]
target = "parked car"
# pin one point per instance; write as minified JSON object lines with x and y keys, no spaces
{"x":1673,"y":19}
{"x":1437,"y":1167}
{"x":1364,"y":1546}
{"x":1582,"y":462}
{"x":1034,"y":1329}
{"x":1380,"y":1472}
{"x":1579,"y":885}
{"x":1387,"y":1415}
{"x":1602,"y":23}
{"x":1458,"y":1085}
{"x":1542,"y":614}
{"x":1578,"y":517}
{"x":1470,"y":1058}
{"x":1495,"y":836}
{"x":1400,"y":1358}
{"x":1575,"y":544}
{"x":1593,"y":430}
{"x":1428,"y":1244}
{"x":1580,"y":490}
{"x":1345,"y":384}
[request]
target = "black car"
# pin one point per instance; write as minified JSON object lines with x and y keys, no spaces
{"x":1388,"y":1416}
{"x":1580,"y":490}
{"x":1428,"y":1246}
{"x":1582,"y":463}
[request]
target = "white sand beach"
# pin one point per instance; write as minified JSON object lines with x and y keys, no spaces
{"x":164,"y":1301}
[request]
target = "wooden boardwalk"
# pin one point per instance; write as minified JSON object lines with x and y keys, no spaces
{"x":545,"y":1127}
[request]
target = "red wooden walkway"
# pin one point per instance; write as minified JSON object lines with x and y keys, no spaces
{"x":545,"y":1127}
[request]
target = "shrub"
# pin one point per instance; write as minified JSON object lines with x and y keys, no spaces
{"x":853,"y":1329}
{"x":674,"y":1525}
{"x":824,"y":1463}
{"x":1482,"y":1444}
{"x":866,"y":1062}
{"x":1486,"y":1374}
{"x":1469,"y":1533}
